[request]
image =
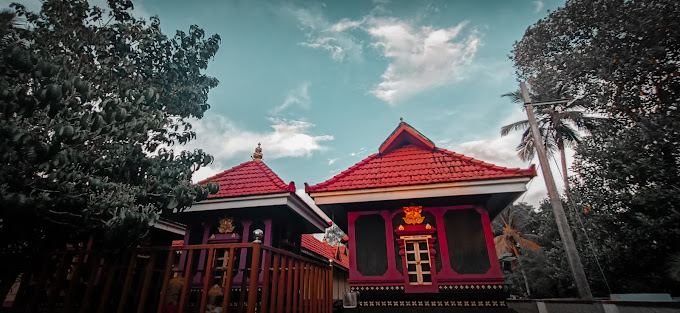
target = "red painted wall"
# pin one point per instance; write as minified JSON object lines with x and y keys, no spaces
{"x":446,"y":276}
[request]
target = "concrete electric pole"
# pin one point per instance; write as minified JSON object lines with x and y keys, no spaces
{"x":560,"y":216}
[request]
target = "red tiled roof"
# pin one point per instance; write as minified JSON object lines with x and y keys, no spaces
{"x":247,"y":179}
{"x":407,"y":159}
{"x":337,"y":253}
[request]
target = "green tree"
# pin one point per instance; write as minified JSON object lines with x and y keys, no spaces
{"x":559,"y":125}
{"x":91,"y":102}
{"x":628,"y":170}
{"x":628,"y":180}
{"x":584,"y":50}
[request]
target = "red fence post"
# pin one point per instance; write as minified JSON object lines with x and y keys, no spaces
{"x":166,"y":279}
{"x":186,"y":288}
{"x":227,"y":284}
{"x":148,"y":274}
{"x":254,"y":277}
{"x":206,"y":279}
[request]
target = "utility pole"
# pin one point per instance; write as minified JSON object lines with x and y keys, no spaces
{"x":560,"y":217}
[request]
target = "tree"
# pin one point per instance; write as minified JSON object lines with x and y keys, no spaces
{"x":628,"y":180}
{"x":627,"y":171}
{"x":91,"y":102}
{"x":512,"y":219}
{"x":559,"y":125}
{"x":583,"y":50}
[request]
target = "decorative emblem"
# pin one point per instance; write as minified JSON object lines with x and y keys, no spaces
{"x":226,"y":225}
{"x":413,"y":215}
{"x":401,"y":227}
{"x":428,"y":226}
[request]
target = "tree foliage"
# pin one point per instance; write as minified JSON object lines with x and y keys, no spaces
{"x":628,"y":180}
{"x":559,"y":124}
{"x":619,"y":59}
{"x":92,"y":100}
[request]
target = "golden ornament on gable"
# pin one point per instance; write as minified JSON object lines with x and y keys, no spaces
{"x":413,"y":215}
{"x":226,"y":225}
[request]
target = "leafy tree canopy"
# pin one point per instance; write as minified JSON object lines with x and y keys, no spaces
{"x":628,"y":180}
{"x":622,"y":57}
{"x":92,"y":100}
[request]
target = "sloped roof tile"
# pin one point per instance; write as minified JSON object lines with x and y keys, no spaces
{"x":325,"y":250}
{"x":248,"y":179}
{"x":415,"y":161}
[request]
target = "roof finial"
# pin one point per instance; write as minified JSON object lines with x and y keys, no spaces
{"x":257,"y":156}
{"x":401,"y":120}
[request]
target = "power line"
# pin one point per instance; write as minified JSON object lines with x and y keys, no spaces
{"x":583,"y":228}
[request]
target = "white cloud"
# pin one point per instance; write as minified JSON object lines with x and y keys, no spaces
{"x":321,"y":35}
{"x":538,"y":5}
{"x":296,"y":97}
{"x":224,"y":140}
{"x":206,"y":172}
{"x":333,"y":160}
{"x":501,"y":151}
{"x":421,"y":58}
{"x":361,"y":153}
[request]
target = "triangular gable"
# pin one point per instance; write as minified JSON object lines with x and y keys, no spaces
{"x":404,"y":135}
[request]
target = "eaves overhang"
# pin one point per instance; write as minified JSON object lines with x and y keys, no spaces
{"x":169,"y":226}
{"x":289,"y":199}
{"x":492,"y":186}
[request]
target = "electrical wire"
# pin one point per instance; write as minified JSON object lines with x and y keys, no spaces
{"x":583,"y":228}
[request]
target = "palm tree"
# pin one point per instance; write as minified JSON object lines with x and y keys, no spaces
{"x":559,"y":125}
{"x":512,"y":219}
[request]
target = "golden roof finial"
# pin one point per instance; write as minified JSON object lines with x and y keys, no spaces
{"x":257,"y":156}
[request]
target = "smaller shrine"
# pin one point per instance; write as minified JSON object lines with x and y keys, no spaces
{"x":418,"y":219}
{"x":251,"y":197}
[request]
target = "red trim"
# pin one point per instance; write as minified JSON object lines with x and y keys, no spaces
{"x":291,"y":186}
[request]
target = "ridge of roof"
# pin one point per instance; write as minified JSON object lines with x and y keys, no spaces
{"x":247,"y":179}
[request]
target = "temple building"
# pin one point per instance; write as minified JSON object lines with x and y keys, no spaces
{"x":418,"y":219}
{"x":418,"y":238}
{"x":251,"y":196}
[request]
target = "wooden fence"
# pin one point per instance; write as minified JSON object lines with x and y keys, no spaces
{"x":199,"y":278}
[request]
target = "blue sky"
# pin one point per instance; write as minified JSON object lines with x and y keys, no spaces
{"x":322,"y":84}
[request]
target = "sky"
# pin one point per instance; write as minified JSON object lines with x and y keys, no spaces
{"x":321,"y":84}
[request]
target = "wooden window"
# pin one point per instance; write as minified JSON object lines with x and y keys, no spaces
{"x":418,"y":261}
